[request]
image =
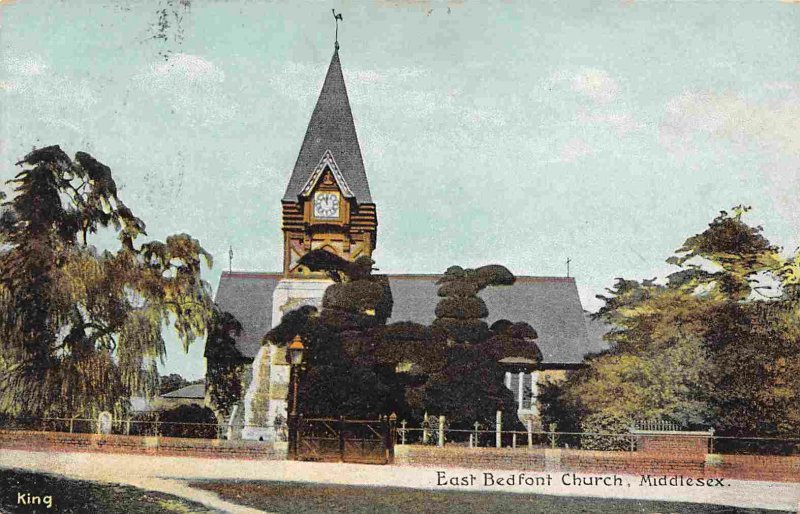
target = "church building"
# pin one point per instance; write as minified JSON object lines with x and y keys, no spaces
{"x":328,"y":205}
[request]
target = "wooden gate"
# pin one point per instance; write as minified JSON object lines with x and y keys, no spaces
{"x":345,"y":440}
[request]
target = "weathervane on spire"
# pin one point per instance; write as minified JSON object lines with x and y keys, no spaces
{"x":337,"y":18}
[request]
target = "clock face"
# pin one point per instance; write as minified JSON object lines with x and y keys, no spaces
{"x":326,"y":205}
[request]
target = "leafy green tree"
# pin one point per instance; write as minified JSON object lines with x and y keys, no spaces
{"x":80,"y":328}
{"x":717,"y":344}
{"x":171,"y":382}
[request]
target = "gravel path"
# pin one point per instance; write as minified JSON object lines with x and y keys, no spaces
{"x":170,"y":475}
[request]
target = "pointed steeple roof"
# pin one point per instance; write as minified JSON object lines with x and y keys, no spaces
{"x":331,"y":133}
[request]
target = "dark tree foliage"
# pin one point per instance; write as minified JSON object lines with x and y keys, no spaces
{"x":80,"y":329}
{"x":340,"y":380}
{"x":225,"y":364}
{"x":469,"y":386}
{"x":188,"y":421}
{"x":332,"y":384}
{"x":171,"y":382}
{"x":460,"y":312}
{"x":361,"y":366}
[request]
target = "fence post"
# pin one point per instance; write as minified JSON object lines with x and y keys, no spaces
{"x":470,"y":440}
{"x":128,"y":426}
{"x":530,"y":432}
{"x":632,"y":430}
{"x":403,"y":432}
{"x":513,"y":439}
{"x":477,"y":441}
{"x":498,"y":435}
{"x":425,"y":429}
{"x":341,"y":438}
{"x":711,"y":440}
{"x":441,"y":431}
{"x":71,"y":420}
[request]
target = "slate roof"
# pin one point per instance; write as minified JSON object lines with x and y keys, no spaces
{"x":596,"y":329}
{"x":193,"y":391}
{"x":331,"y":128}
{"x":550,"y":304}
{"x":248,"y":296}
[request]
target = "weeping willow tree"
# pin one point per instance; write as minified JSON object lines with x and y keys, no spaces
{"x":81,"y":328}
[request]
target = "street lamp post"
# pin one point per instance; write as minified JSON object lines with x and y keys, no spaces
{"x":296,"y":350}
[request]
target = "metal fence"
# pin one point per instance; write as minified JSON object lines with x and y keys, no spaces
{"x":143,"y":427}
{"x":439,"y":433}
{"x":435,"y":431}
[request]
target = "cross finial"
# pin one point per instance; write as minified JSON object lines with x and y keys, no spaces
{"x":568,"y":261}
{"x":337,"y":18}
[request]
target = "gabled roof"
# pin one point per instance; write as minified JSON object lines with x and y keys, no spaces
{"x":248,"y":296}
{"x":549,"y":304}
{"x":331,"y":129}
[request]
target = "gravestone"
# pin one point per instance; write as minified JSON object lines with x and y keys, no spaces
{"x":104,"y":423}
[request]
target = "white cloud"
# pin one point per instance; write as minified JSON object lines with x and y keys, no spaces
{"x":763,"y":133}
{"x":622,"y":123}
{"x":26,"y":66}
{"x":574,"y":150}
{"x":770,"y":125}
{"x":53,"y":99}
{"x":187,"y":67}
{"x":192,"y":86}
{"x":592,"y":83}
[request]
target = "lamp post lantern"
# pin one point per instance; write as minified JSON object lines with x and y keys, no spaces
{"x":296,"y":350}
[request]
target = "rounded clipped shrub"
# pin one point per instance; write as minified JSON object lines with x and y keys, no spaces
{"x":467,"y":330}
{"x":521,"y":330}
{"x":340,"y":320}
{"x":500,"y":326}
{"x":452,"y":273}
{"x":492,"y":275}
{"x":469,"y":307}
{"x":503,"y":346}
{"x":458,"y":288}
{"x":407,"y":331}
{"x":354,"y":297}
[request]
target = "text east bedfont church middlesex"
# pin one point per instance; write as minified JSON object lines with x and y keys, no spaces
{"x":328,"y":205}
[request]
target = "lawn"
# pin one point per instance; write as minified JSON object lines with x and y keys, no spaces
{"x":298,"y":497}
{"x":83,"y":497}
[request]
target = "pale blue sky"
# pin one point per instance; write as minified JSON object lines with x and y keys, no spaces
{"x":521,"y":133}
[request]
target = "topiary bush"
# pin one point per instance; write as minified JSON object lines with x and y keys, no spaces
{"x":469,"y":307}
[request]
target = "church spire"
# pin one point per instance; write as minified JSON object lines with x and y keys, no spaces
{"x":331,"y":129}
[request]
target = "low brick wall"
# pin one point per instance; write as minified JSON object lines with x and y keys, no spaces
{"x":455,"y":456}
{"x":672,"y":442}
{"x":754,"y":467}
{"x":214,"y":448}
{"x":744,"y":467}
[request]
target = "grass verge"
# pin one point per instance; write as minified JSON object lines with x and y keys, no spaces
{"x":26,"y":492}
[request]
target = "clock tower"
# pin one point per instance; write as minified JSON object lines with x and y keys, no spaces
{"x":327,"y":204}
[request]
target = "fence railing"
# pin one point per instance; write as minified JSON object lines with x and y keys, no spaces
{"x":436,"y":432}
{"x":637,"y":438}
{"x":139,"y":427}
